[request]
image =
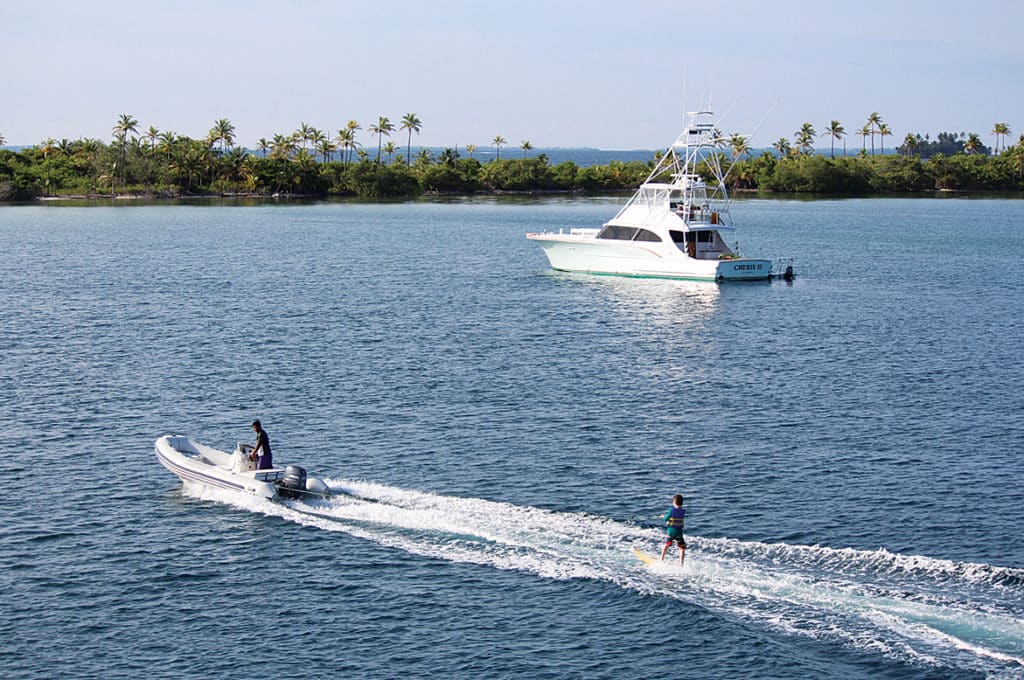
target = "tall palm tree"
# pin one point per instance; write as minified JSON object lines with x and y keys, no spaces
{"x":224,"y":132}
{"x":413,"y":124}
{"x":48,"y":147}
{"x":151,"y":134}
{"x":281,"y":146}
{"x":304,"y":133}
{"x":263,"y":145}
{"x":782,"y":147}
{"x":325,"y":148}
{"x":874,"y":121}
{"x":883,"y":132}
{"x":525,"y":146}
{"x":738,"y":144}
{"x":351,"y":127}
{"x":1001,"y":130}
{"x":125,"y":124}
{"x":498,"y":141}
{"x":470,"y":150}
{"x":316,"y":137}
{"x":864,"y":132}
{"x":346,"y":142}
{"x":805,"y":138}
{"x":835,"y":130}
{"x":382,"y":128}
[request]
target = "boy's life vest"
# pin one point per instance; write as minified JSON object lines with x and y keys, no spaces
{"x":675,"y":518}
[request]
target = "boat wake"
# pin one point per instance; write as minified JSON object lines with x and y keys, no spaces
{"x":911,"y":608}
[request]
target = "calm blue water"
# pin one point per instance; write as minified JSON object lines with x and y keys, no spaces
{"x":849,"y":445}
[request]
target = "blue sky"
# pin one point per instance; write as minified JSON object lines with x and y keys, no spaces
{"x":607,"y":74}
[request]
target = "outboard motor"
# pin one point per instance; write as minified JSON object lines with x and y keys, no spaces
{"x":293,"y":483}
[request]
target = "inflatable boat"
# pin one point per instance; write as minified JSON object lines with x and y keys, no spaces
{"x":197,"y":463}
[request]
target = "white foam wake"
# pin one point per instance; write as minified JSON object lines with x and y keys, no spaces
{"x":961,"y":615}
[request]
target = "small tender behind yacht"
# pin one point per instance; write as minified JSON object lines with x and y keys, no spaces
{"x":673,"y":227}
{"x":200,"y":464}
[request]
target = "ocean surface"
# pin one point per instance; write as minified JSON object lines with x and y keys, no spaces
{"x":501,"y":436}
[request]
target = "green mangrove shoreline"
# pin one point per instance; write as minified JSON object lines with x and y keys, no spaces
{"x":91,"y":170}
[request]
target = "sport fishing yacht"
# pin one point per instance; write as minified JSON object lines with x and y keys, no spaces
{"x":673,"y":227}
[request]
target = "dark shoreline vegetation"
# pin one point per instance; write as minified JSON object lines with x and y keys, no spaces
{"x":165,"y":165}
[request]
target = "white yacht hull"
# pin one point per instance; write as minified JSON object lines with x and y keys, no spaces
{"x":650,"y":260}
{"x":197,"y":463}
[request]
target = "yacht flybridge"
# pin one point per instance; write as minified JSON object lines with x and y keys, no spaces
{"x":673,"y":227}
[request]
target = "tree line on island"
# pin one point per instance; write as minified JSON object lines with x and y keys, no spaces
{"x":311,"y":162}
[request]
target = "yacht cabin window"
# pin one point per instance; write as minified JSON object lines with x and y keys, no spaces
{"x":628,"y":234}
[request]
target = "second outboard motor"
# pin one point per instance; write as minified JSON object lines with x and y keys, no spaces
{"x":293,"y":483}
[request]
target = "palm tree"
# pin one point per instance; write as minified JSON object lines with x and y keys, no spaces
{"x":448,"y":158}
{"x":151,"y":134}
{"x":304,"y":133}
{"x":325,"y":147}
{"x":883,"y":131}
{"x":874,"y":121}
{"x":973,"y":144}
{"x":413,"y":124}
{"x":864,"y":132}
{"x":281,"y":146}
{"x":498,"y":141}
{"x":2,"y":140}
{"x":424,"y":157}
{"x":167,"y":140}
{"x":125,"y":124}
{"x":351,"y":128}
{"x":738,"y":144}
{"x":346,"y":142}
{"x":224,"y":132}
{"x":525,"y":146}
{"x":911,"y":143}
{"x":835,"y":130}
{"x":316,"y":137}
{"x":782,"y":147}
{"x":1000,"y":130}
{"x":389,"y":149}
{"x":470,"y":149}
{"x":805,"y":138}
{"x":383,"y":128}
{"x":263,"y":145}
{"x":48,"y":148}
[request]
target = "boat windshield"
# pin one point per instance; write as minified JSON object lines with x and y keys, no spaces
{"x":617,"y":233}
